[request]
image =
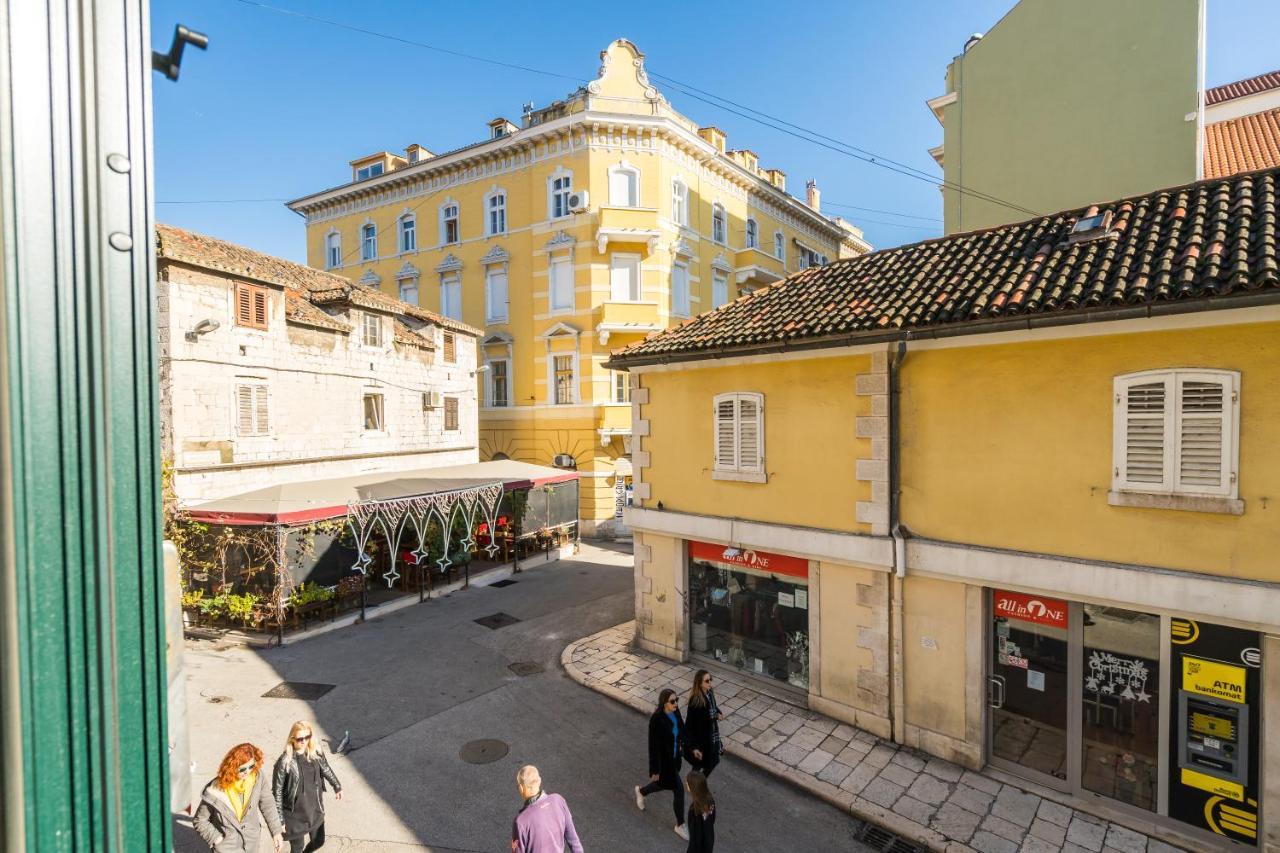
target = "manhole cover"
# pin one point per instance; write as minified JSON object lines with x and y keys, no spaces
{"x":502,"y":583}
{"x":497,"y":620}
{"x":483,"y":751}
{"x":525,"y":667}
{"x":305,"y":690}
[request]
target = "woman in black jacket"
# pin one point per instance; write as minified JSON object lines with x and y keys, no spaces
{"x":298,"y":782}
{"x":702,"y":814}
{"x":666,"y":742}
{"x":702,"y":719}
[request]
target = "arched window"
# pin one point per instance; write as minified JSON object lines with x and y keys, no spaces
{"x":368,"y":242}
{"x":448,"y":223}
{"x":496,"y":213}
{"x":753,"y":234}
{"x":559,"y":188}
{"x":624,"y":185}
{"x":679,"y":202}
{"x":333,"y":250}
{"x":718,"y":224}
{"x":408,"y":233}
{"x":779,"y":246}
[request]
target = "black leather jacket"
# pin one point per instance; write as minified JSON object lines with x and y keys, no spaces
{"x":285,"y":780}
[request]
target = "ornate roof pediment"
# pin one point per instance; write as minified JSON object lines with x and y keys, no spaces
{"x":407,"y":271}
{"x":370,"y":279}
{"x":496,"y":255}
{"x":449,"y":264}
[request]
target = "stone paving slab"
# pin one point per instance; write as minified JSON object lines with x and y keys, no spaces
{"x":914,"y":795}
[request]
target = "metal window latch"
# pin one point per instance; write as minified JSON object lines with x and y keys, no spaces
{"x":168,"y":63}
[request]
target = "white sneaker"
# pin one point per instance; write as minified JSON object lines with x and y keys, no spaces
{"x":682,"y":831}
{"x":639,"y":798}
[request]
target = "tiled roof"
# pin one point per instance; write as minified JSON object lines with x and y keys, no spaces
{"x":1213,"y":242}
{"x":1242,"y":144}
{"x":298,"y":310}
{"x":320,"y":287}
{"x":1241,"y":88}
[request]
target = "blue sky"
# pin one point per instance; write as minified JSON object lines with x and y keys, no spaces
{"x":278,"y":104}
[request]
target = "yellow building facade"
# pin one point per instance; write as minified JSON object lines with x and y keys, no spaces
{"x":1039,"y":541}
{"x":597,"y":220}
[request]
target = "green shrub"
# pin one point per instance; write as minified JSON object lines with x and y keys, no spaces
{"x":308,"y":593}
{"x":241,"y":606}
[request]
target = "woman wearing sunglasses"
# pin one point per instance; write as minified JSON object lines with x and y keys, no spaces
{"x":233,"y":805}
{"x":301,"y":773}
{"x":666,"y":742}
{"x":703,"y":716}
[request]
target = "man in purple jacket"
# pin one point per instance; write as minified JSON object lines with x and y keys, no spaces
{"x":544,"y":825}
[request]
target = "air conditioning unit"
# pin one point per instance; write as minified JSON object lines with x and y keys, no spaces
{"x":579,"y":201}
{"x":564,"y":460}
{"x":432,"y":400}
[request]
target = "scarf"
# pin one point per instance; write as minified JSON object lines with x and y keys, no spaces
{"x":714,"y":710}
{"x":238,"y":793}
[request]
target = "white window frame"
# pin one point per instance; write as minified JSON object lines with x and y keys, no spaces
{"x":368,"y":242}
{"x":752,"y":233}
{"x":409,"y":287}
{"x":559,"y":194}
{"x":736,"y":468}
{"x":1169,"y":424}
{"x":371,"y":323}
{"x":679,"y":202}
{"x":259,"y":399}
{"x":451,"y":282}
{"x":495,"y":213}
{"x":373,"y":170}
{"x":619,"y":387}
{"x":572,"y":396}
{"x":332,"y":250}
{"x":680,"y":301}
{"x":633,"y":192}
{"x":719,"y":288}
{"x":625,"y":260}
{"x":720,"y":224}
{"x":408,"y":233}
{"x":449,"y":212}
{"x":496,"y":308}
{"x":561,"y":299}
{"x":380,"y":408}
{"x":780,"y":246}
{"x":491,"y":398}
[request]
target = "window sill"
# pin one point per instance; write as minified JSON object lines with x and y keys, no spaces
{"x":741,"y":476}
{"x":374,"y":433}
{"x":1189,"y":503}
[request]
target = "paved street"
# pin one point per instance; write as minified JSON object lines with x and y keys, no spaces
{"x":414,"y":687}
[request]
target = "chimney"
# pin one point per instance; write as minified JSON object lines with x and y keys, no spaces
{"x":812,"y":196}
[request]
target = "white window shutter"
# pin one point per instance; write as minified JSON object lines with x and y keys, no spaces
{"x":260,"y":409}
{"x":1143,"y":431}
{"x":749,"y":433}
{"x":726,"y":433}
{"x":244,"y":409}
{"x":1204,"y":434}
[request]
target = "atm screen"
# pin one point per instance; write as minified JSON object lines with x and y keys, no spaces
{"x":1212,"y":725}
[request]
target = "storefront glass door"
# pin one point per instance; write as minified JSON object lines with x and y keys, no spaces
{"x":1029,"y":689}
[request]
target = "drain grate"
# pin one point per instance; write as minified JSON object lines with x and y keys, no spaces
{"x":885,"y":841}
{"x":305,"y":690}
{"x":497,"y":620}
{"x":483,"y":751}
{"x":525,"y":667}
{"x":502,"y":583}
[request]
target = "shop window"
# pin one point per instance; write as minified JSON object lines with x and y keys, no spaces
{"x":1175,"y":433}
{"x":739,"y":437}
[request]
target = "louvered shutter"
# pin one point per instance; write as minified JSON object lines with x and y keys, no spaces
{"x":1204,"y":434}
{"x":749,"y":433}
{"x":726,"y":433}
{"x":260,"y":409}
{"x":244,"y":409}
{"x":1143,"y":428}
{"x":244,"y":305}
{"x":259,"y":307}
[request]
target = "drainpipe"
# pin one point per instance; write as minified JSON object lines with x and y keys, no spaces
{"x":897,"y":632}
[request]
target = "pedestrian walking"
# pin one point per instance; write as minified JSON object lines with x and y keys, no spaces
{"x":702,"y":722}
{"x":666,"y":742}
{"x":236,"y":802}
{"x":702,"y":814}
{"x":301,"y":773}
{"x":544,"y":824}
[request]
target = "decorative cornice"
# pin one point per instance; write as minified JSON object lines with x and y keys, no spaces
{"x":407,"y":271}
{"x":560,"y":240}
{"x":681,"y":247}
{"x":496,"y":255}
{"x":449,"y":264}
{"x":719,"y":262}
{"x":370,"y":279}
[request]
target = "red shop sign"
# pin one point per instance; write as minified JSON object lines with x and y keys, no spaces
{"x":760,"y":561}
{"x":1031,"y":608}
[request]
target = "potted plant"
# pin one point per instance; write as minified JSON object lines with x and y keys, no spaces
{"x":191,"y":606}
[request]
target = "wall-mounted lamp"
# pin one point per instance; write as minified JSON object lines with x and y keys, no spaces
{"x":204,"y":327}
{"x":481,"y":369}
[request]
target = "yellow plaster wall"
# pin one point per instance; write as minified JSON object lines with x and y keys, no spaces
{"x":1011,"y":446}
{"x":810,"y":447}
{"x":659,"y":573}
{"x":935,"y":678}
{"x":853,"y":644}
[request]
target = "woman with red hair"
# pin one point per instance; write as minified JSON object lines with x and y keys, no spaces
{"x":234,"y":804}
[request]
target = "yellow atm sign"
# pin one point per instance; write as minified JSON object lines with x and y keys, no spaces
{"x":1211,"y":678}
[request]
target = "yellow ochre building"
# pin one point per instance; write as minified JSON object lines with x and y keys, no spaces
{"x":597,"y":220}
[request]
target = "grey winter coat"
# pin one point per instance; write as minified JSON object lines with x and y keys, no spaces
{"x":216,"y":822}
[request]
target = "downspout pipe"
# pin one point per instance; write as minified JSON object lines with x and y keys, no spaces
{"x":897,"y":632}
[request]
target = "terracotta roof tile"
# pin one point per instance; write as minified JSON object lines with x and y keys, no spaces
{"x":1155,"y":252}
{"x":1242,"y":88}
{"x":1242,"y":144}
